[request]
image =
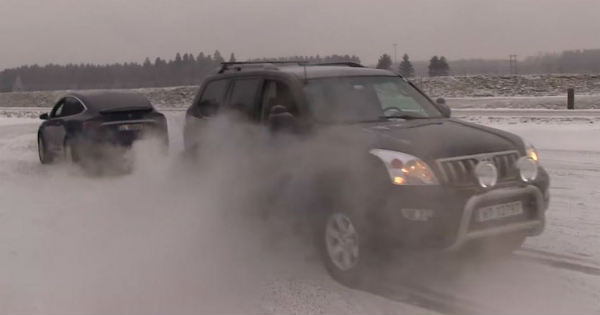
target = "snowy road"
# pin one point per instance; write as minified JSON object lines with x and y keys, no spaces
{"x":132,"y":244}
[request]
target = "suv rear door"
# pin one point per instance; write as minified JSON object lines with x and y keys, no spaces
{"x":210,"y":100}
{"x":277,"y":92}
{"x":243,"y":97}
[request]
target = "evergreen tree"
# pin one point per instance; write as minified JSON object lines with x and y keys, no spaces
{"x":434,"y":66}
{"x":406,"y":68}
{"x":217,"y":57}
{"x":444,"y":68}
{"x":232,"y":57}
{"x":200,"y":58}
{"x":385,"y":62}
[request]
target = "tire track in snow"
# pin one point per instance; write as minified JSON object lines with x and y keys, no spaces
{"x":557,"y":260}
{"x":427,"y":298}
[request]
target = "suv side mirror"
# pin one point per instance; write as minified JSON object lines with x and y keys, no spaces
{"x":280,"y":119}
{"x":444,"y":108}
{"x":44,"y":116}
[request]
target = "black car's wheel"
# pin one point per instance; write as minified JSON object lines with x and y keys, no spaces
{"x":344,"y":247}
{"x":45,"y":156}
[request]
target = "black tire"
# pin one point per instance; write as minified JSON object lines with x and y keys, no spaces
{"x":44,"y":155}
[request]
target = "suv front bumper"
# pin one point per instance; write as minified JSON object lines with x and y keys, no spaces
{"x":532,"y":225}
{"x":452,"y":222}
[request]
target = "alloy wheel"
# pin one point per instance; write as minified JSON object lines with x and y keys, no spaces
{"x":341,"y":241}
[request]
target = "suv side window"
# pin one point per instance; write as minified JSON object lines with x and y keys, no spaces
{"x":277,"y":93}
{"x":212,"y":97}
{"x":243,"y":96}
{"x":71,"y":107}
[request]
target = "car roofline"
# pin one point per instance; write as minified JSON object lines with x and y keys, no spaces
{"x":330,"y":72}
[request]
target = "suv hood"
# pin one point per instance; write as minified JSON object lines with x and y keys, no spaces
{"x":432,"y":139}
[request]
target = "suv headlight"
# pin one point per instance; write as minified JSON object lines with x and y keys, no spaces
{"x":531,"y":152}
{"x":529,"y":164}
{"x":405,"y":169}
{"x":528,"y":169}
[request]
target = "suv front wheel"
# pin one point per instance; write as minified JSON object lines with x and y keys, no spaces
{"x":344,"y":247}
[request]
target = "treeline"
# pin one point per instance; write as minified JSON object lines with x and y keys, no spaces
{"x":571,"y":61}
{"x":190,"y":69}
{"x":314,"y":59}
{"x":186,"y":69}
{"x":438,"y":66}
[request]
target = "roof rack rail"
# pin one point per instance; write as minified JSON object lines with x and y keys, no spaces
{"x":239,"y":65}
{"x":228,"y":65}
{"x":343,"y":63}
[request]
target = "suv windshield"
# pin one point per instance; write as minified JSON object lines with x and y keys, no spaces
{"x":366,"y":98}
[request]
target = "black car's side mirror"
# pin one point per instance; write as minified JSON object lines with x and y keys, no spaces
{"x":444,"y":108}
{"x":280,"y":119}
{"x":44,"y":116}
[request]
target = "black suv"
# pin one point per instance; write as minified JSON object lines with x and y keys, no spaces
{"x":433,"y":181}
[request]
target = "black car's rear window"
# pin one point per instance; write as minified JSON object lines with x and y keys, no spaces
{"x":114,"y":101}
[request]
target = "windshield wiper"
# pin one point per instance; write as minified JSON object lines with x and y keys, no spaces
{"x":405,"y":116}
{"x":379,"y":119}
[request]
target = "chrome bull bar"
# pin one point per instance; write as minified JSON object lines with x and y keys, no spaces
{"x":532,"y":226}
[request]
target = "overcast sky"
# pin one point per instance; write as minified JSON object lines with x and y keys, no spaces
{"x":103,"y":31}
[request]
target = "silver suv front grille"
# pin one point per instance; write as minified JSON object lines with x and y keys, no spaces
{"x":459,"y":170}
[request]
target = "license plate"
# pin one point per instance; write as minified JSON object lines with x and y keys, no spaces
{"x":131,"y":127}
{"x":499,"y":211}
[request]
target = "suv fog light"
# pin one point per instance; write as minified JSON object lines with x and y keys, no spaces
{"x":417,"y":214}
{"x":487,"y":174}
{"x":528,"y":169}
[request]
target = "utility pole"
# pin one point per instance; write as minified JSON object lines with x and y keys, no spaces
{"x":512,"y":63}
{"x":395,"y":50}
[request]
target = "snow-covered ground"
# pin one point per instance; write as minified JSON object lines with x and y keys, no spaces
{"x":162,"y":240}
{"x":509,"y":85}
{"x":591,"y":101}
